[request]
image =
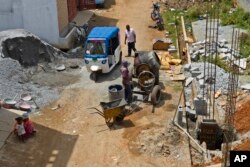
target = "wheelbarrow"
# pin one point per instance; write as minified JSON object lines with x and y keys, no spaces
{"x":112,"y":111}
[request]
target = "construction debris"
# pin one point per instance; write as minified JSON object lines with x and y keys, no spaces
{"x":27,"y":66}
{"x":161,"y":43}
{"x":157,"y":141}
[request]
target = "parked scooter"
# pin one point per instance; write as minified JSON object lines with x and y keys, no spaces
{"x":159,"y":24}
{"x":80,"y":33}
{"x":155,"y":11}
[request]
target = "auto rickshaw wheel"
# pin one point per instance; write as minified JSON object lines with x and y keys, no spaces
{"x":94,"y":76}
{"x":156,"y":95}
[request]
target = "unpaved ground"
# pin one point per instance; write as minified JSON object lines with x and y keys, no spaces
{"x":72,"y":136}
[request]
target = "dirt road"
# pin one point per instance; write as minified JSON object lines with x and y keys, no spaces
{"x":72,"y":136}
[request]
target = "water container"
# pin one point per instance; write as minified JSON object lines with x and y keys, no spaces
{"x":116,"y":92}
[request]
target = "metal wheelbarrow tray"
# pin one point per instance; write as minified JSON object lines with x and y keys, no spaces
{"x":112,"y":111}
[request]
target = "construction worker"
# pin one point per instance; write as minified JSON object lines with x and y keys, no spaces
{"x":126,"y":81}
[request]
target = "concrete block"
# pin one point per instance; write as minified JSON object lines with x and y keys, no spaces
{"x":179,"y":114}
{"x":187,"y":67}
{"x":195,"y":69}
{"x":195,"y":57}
{"x":242,"y":63}
{"x":188,"y":81}
{"x":223,"y":41}
{"x":197,"y":52}
{"x":202,"y":83}
{"x":246,"y":135}
{"x":202,"y":51}
{"x":191,"y":114}
{"x":200,"y":106}
{"x":188,"y":104}
{"x":221,"y":45}
{"x":172,"y":50}
{"x":201,"y":76}
{"x":195,"y":73}
{"x":245,"y":86}
{"x":224,"y":50}
{"x":191,"y":51}
{"x":196,"y":43}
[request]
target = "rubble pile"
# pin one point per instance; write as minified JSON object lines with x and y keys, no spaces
{"x":242,"y":116}
{"x":225,"y":53}
{"x":26,"y":48}
{"x":195,"y":72}
{"x":24,"y":61}
{"x":157,"y":141}
{"x":245,"y":145}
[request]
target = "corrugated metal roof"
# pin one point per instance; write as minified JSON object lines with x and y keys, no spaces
{"x":103,"y":32}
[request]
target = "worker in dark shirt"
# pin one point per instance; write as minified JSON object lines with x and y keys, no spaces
{"x":126,"y":81}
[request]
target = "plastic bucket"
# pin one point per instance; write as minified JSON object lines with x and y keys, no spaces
{"x":116,"y":92}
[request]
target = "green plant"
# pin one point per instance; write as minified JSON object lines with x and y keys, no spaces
{"x":217,"y":61}
{"x":171,"y":21}
{"x":245,"y":45}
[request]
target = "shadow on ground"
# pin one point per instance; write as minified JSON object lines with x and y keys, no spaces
{"x":112,"y":75}
{"x":98,"y":20}
{"x":109,"y":3}
{"x":54,"y":149}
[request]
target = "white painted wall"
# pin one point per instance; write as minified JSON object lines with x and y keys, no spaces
{"x":36,"y":16}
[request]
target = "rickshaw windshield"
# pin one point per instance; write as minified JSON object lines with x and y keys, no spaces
{"x":95,"y":47}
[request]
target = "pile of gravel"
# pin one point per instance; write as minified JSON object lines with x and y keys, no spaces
{"x":15,"y":80}
{"x":221,"y":80}
{"x":20,"y":54}
{"x":221,"y":75}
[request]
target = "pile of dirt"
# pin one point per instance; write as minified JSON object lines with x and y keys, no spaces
{"x":157,"y":141}
{"x":242,"y":116}
{"x":245,"y":145}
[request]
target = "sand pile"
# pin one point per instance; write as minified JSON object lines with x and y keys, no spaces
{"x":242,"y":116}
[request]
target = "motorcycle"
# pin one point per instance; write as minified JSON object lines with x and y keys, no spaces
{"x":80,"y":33}
{"x":159,"y":24}
{"x":155,"y":11}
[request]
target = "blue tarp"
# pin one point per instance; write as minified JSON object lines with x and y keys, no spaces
{"x":103,"y":32}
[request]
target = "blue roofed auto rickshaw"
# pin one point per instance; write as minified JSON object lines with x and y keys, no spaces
{"x":102,"y":50}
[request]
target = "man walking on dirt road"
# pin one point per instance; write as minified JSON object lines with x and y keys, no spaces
{"x":130,"y":37}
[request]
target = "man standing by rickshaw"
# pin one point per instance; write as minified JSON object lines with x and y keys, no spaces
{"x":130,"y":37}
